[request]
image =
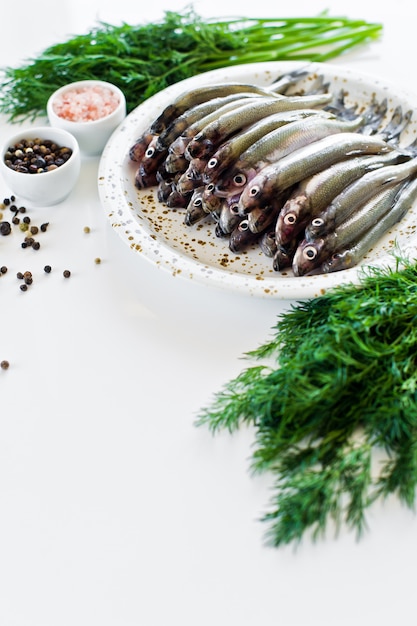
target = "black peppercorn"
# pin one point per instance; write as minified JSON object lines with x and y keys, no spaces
{"x":5,"y":228}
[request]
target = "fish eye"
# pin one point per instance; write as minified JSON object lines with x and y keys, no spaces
{"x":198,"y":202}
{"x":254,"y":191}
{"x":290,"y":219}
{"x":244,"y":225}
{"x":310,"y":253}
{"x":212,"y":163}
{"x":210,"y":187}
{"x":239,"y":179}
{"x":150,"y":152}
{"x":318,"y":221}
{"x":234,"y":209}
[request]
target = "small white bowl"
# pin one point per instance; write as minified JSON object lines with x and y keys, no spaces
{"x":44,"y":188}
{"x":84,"y":102}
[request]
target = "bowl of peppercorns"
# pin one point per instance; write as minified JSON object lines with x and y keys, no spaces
{"x":41,"y":164}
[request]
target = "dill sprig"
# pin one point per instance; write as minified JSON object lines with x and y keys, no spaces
{"x":143,"y":59}
{"x":334,"y":386}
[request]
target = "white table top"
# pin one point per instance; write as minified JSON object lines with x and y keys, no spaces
{"x":115,"y":509}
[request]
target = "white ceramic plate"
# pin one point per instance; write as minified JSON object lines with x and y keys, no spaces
{"x":194,"y":252}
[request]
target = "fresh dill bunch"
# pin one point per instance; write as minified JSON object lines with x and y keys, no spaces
{"x":339,"y":385}
{"x":145,"y":58}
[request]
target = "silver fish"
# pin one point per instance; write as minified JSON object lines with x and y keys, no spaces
{"x":180,"y":143}
{"x":207,"y":140}
{"x":304,"y":162}
{"x":277,"y":144}
{"x":352,"y":255}
{"x":230,"y":150}
{"x":311,"y":254}
{"x":192,"y":97}
{"x":313,"y":194}
{"x":194,"y":114}
{"x":355,"y":194}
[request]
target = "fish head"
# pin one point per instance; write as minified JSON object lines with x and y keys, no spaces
{"x":283,"y":256}
{"x":138,"y":149}
{"x":252,"y":196}
{"x":233,"y":181}
{"x":145,"y":179}
{"x":175,"y":163}
{"x":229,"y":217}
{"x":195,"y":208}
{"x":179,"y":145}
{"x":191,"y":178}
{"x":317,"y":228}
{"x":211,"y":171}
{"x":199,"y":147}
{"x":291,"y":219}
{"x":210,"y":200}
{"x":152,"y":157}
{"x":307,"y":257}
{"x":241,"y":236}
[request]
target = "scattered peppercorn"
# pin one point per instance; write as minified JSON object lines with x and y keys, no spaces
{"x":47,"y":269}
{"x":34,"y":230}
{"x":5,"y":228}
{"x":86,"y":229}
{"x":97,"y":260}
{"x":44,"y":226}
{"x":26,"y":219}
{"x":23,"y":227}
{"x":6,"y":201}
{"x":23,"y":287}
{"x":36,"y":245}
{"x":66,"y":273}
{"x":3,"y":269}
{"x":5,"y":365}
{"x":19,"y":275}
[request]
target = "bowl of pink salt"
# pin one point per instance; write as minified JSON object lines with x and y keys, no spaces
{"x":90,"y":110}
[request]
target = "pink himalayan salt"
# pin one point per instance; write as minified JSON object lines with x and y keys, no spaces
{"x":86,"y":104}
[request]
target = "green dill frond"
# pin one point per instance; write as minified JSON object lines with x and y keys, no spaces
{"x":145,"y":58}
{"x":343,"y":388}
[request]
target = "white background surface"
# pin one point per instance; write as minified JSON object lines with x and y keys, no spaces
{"x":115,"y":510}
